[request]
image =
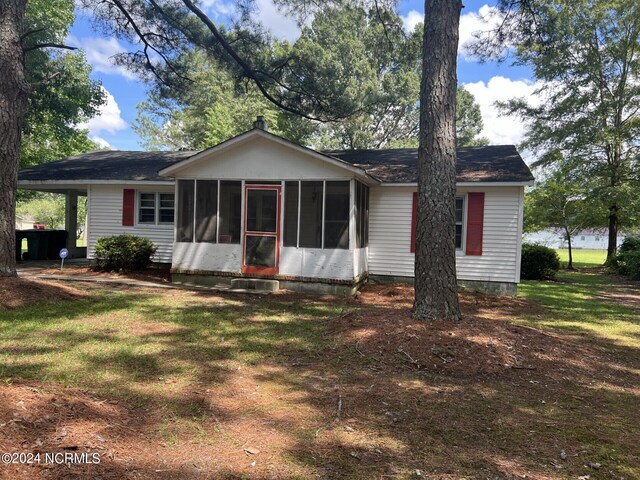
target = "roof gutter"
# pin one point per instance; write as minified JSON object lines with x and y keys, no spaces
{"x":528,"y":183}
{"x":27,"y":183}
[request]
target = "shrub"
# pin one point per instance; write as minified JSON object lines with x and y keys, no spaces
{"x":539,"y":262}
{"x":124,"y":252}
{"x":627,"y":260}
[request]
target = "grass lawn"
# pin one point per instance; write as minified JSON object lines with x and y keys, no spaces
{"x":583,"y":258}
{"x":173,"y":384}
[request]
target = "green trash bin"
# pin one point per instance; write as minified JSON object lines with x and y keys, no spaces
{"x":37,"y":244}
{"x":56,"y":241}
{"x":19,"y":237}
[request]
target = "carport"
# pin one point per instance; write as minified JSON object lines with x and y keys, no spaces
{"x":71,"y":193}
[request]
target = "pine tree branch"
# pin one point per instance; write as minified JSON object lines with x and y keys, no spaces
{"x":31,"y":32}
{"x":246,"y":68}
{"x":38,"y":46}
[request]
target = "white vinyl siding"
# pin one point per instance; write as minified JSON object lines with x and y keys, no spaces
{"x":390,"y":234}
{"x":105,"y":219}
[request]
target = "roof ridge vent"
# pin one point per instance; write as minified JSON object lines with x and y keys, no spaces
{"x":261,"y":123}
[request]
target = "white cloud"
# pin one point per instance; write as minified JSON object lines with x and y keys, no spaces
{"x":411,"y":20}
{"x":108,"y":120}
{"x":485,"y":19}
{"x":99,"y":53}
{"x":218,"y":8}
{"x":281,"y":26}
{"x":502,"y":129}
{"x":101,"y":142}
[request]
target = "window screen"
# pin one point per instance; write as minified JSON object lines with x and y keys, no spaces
{"x":184,"y":228}
{"x":291,"y":194}
{"x":147,"y":208}
{"x":311,"y":214}
{"x":336,"y":215}
{"x":459,"y":220}
{"x":230,"y":212}
{"x":206,"y":210}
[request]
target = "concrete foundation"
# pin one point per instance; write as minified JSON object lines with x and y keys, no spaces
{"x":493,"y":288}
{"x":255,"y":284}
{"x":301,"y":286}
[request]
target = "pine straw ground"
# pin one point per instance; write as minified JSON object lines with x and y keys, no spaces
{"x":191,"y":385}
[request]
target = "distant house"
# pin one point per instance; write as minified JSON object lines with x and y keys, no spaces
{"x":588,"y":239}
{"x":24,"y":222}
{"x":258,"y":205}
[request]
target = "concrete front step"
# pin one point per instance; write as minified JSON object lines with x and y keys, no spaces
{"x":262,"y":284}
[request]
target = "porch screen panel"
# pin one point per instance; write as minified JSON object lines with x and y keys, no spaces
{"x":359,"y":216}
{"x":336,"y":215}
{"x":184,"y":227}
{"x":291,"y":195}
{"x":206,"y":210}
{"x":230,"y":212}
{"x":365,"y":227}
{"x":362,"y":215}
{"x":311,"y":214}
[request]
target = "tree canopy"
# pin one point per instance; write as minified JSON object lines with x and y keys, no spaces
{"x":561,"y":200}
{"x":469,"y":122}
{"x":62,"y":92}
{"x":347,"y":54}
{"x":586,"y":55}
{"x":207,"y":109}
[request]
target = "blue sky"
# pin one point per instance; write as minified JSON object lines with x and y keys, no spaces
{"x":488,"y":82}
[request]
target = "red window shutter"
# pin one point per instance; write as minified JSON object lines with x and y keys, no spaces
{"x":128,"y":207}
{"x":414,"y":213}
{"x":475,"y":222}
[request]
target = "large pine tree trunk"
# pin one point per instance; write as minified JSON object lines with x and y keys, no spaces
{"x":436,"y":286}
{"x":13,"y":105}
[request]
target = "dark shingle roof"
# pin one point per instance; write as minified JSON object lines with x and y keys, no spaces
{"x":495,"y":163}
{"x":500,"y":163}
{"x":106,"y":165}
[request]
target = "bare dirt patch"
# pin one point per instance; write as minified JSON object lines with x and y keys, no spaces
{"x":483,"y":343}
{"x":22,"y":292}
{"x":159,"y":275}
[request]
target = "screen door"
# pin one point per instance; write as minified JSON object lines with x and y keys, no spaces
{"x":261,"y":245}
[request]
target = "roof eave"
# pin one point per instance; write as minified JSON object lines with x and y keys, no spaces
{"x":31,"y":183}
{"x":524,"y":183}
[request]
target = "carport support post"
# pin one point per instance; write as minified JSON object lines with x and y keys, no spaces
{"x":71,"y":221}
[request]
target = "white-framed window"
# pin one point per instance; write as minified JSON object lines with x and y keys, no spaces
{"x":461,"y":215}
{"x":156,"y":208}
{"x":166,"y":208}
{"x":460,"y":205}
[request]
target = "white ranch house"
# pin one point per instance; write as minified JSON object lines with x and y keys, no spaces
{"x":259,"y":206}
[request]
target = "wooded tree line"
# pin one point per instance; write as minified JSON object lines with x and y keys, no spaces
{"x":585,"y":131}
{"x":376,"y":72}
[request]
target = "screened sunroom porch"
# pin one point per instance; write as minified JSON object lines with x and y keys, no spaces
{"x":305,"y":230}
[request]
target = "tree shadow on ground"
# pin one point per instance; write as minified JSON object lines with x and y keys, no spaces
{"x":179,"y":384}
